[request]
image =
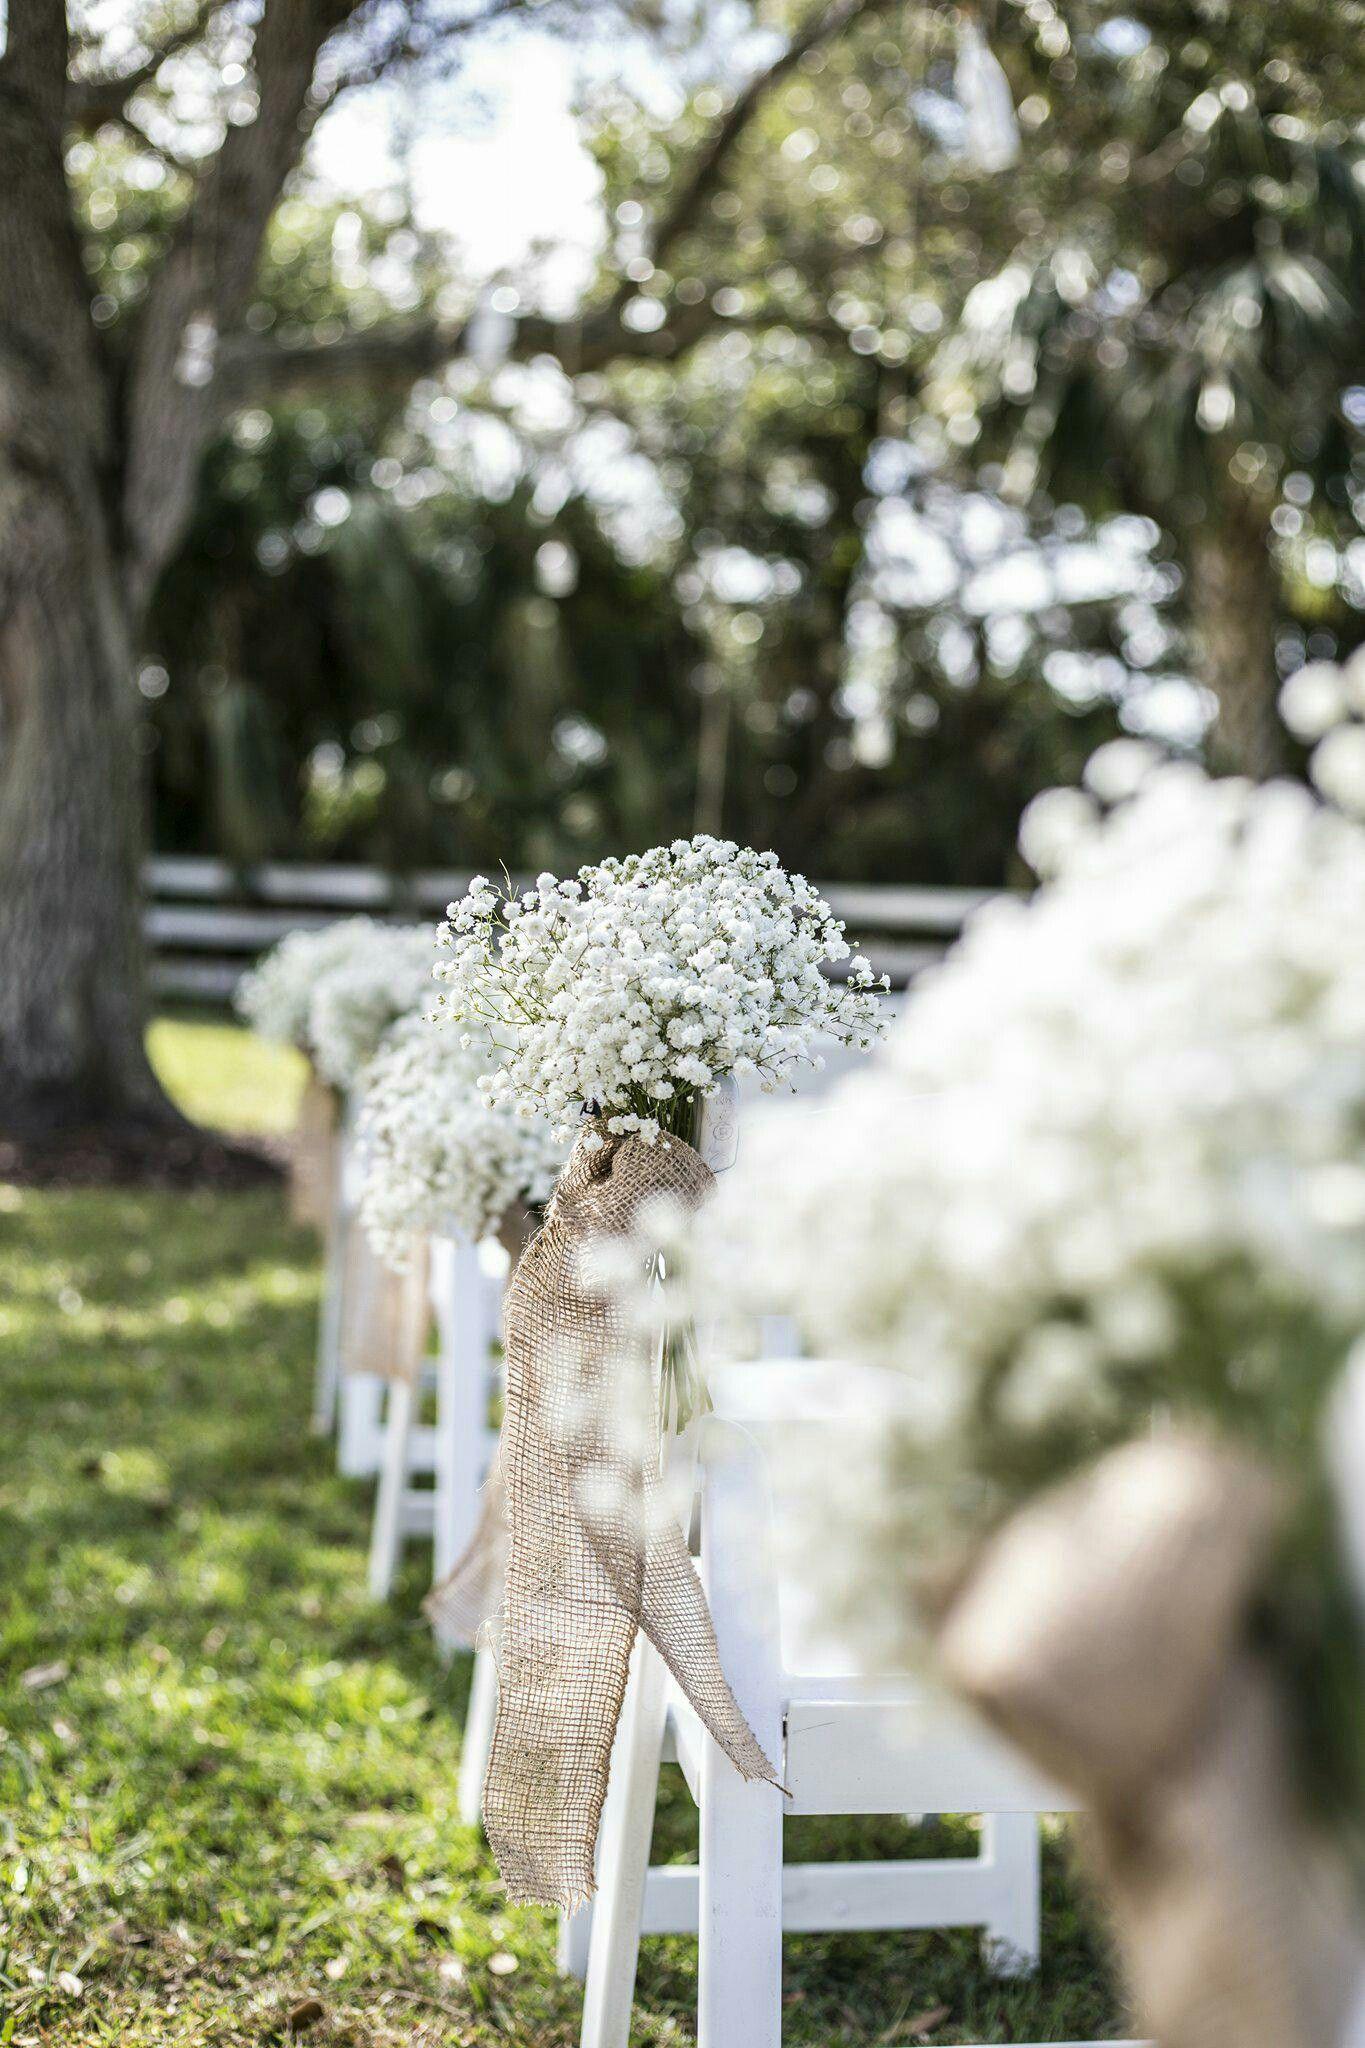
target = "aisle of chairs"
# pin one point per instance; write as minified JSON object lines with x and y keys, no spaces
{"x":850,"y":1742}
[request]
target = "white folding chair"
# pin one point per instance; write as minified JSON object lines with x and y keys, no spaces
{"x":778,"y":1338}
{"x":846,"y":1743}
{"x":466,"y":1282}
{"x":402,"y":1510}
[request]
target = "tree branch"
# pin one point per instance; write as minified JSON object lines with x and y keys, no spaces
{"x":253,"y":367}
{"x":177,"y":397}
{"x":206,"y":280}
{"x":418,"y":36}
{"x":256,"y":369}
{"x":708,"y":167}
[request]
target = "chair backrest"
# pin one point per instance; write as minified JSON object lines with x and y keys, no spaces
{"x":791,"y":1436}
{"x":790,"y":1620}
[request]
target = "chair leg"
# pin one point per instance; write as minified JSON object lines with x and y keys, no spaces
{"x":623,"y":1856}
{"x":573,"y":1943}
{"x":386,"y":1535}
{"x":739,"y":1921}
{"x":478,"y":1735}
{"x":461,"y":1401}
{"x":1013,"y":1939}
{"x":360,"y":1441}
{"x":739,"y":1961}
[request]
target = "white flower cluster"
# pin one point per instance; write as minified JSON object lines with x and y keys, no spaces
{"x":1112,"y":1161}
{"x":634,"y":989}
{"x":335,"y":991}
{"x":436,"y":1156}
{"x":276,"y":997}
{"x":1325,"y":707}
{"x":354,"y":1006}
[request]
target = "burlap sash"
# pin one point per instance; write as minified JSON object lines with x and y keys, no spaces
{"x":385,"y":1316}
{"x":1107,"y":1631}
{"x":593,"y":1552}
{"x":313,"y":1156}
{"x":460,"y":1604}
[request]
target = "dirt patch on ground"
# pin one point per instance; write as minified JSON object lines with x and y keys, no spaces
{"x":135,"y":1155}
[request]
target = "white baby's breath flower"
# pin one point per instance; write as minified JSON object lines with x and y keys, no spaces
{"x":1313,"y":700}
{"x":334,"y":992}
{"x":1338,"y":767}
{"x":1108,"y":1165}
{"x":437,"y":1156}
{"x":1117,"y":770}
{"x":1051,"y":825}
{"x":635,"y":989}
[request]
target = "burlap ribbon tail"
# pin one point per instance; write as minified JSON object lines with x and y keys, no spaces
{"x":1108,"y":1630}
{"x":593,"y":1551}
{"x":385,"y":1313}
{"x":462,"y":1605}
{"x":313,"y":1155}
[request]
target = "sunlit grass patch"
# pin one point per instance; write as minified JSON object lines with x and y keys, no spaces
{"x":224,"y":1076}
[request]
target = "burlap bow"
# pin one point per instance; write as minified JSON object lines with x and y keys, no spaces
{"x":461,"y":1606}
{"x":1107,"y":1631}
{"x":313,"y":1156}
{"x":592,"y":1551}
{"x":385,"y":1315}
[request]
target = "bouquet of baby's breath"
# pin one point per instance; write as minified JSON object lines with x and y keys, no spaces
{"x":633,"y":991}
{"x":1108,"y":1174}
{"x":356,"y":1004}
{"x":334,"y":992}
{"x":276,"y":996}
{"x":436,"y":1155}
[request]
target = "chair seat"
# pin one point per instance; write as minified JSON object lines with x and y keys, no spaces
{"x":845,"y":1739}
{"x":860,"y":1745}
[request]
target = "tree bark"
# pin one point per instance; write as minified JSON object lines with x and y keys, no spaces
{"x":96,"y":483}
{"x":71,"y":1043}
{"x":71,"y":836}
{"x":1232,"y":605}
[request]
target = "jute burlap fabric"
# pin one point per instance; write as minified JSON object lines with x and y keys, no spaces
{"x":593,"y":1551}
{"x":1108,"y":1631}
{"x":313,"y":1156}
{"x":385,"y":1315}
{"x":460,"y":1605}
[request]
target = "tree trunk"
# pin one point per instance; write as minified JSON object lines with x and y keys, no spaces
{"x":97,"y":474}
{"x":71,"y":839}
{"x":71,"y":990}
{"x":1232,"y":603}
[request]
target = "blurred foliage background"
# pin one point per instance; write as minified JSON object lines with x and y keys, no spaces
{"x":967,"y":469}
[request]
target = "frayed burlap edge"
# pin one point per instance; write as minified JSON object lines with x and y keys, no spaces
{"x":593,"y":1553}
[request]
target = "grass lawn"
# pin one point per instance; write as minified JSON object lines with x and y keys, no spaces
{"x":227,"y":1780}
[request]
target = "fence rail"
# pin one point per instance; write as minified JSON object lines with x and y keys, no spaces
{"x":206,"y":921}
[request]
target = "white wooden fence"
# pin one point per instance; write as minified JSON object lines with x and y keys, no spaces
{"x":206,"y":921}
